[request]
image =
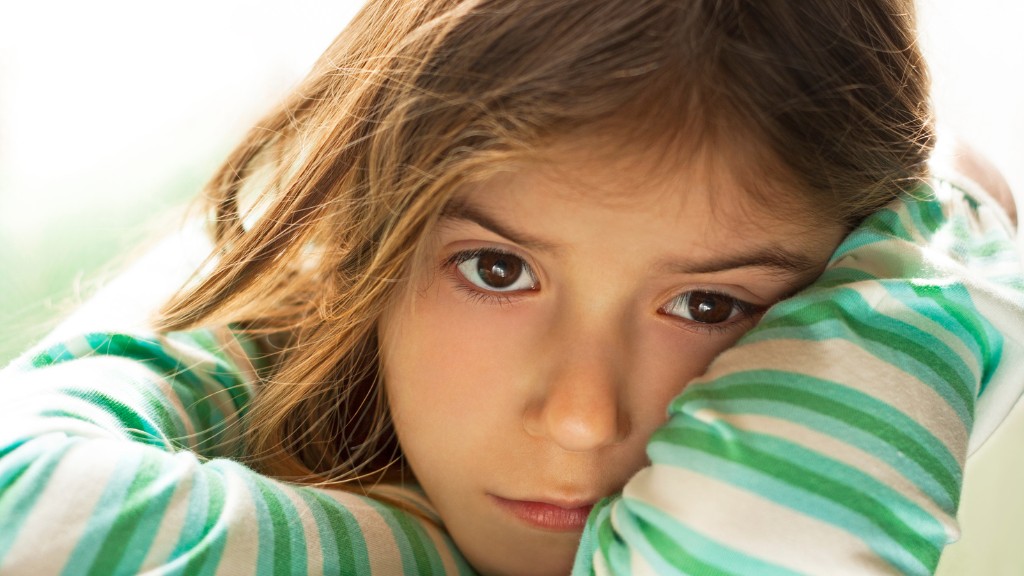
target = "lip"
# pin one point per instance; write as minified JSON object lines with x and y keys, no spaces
{"x":560,"y":516}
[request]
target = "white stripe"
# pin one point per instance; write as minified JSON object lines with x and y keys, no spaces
{"x":756,"y":532}
{"x":40,"y":391}
{"x":385,"y":557}
{"x":600,"y":566}
{"x":420,"y":503}
{"x":171,"y":400}
{"x":220,"y":397}
{"x":835,"y":360}
{"x":241,"y":550}
{"x":406,"y":496}
{"x":183,"y":471}
{"x":837,"y":450}
{"x":638,"y":565}
{"x":199,"y":363}
{"x":52,"y":530}
{"x":1007,"y":384}
{"x":304,"y":516}
{"x":897,"y":308}
{"x":443,"y":547}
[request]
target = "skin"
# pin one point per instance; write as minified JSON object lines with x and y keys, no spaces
{"x":969,"y":162}
{"x":548,"y":389}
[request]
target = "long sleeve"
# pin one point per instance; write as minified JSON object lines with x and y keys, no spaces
{"x":114,"y":460}
{"x":832,"y":438}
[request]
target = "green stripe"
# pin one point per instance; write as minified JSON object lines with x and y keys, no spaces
{"x":777,"y":493}
{"x":132,"y":424}
{"x":810,"y":481}
{"x":154,"y":354}
{"x":672,"y":553}
{"x":103,"y":515}
{"x":867,"y":414}
{"x":847,"y":310}
{"x":191,"y":384}
{"x":614,"y":551}
{"x":53,"y":355}
{"x":835,"y":277}
{"x":289,"y":545}
{"x":25,"y":471}
{"x":205,"y":549}
{"x":978,"y":333}
{"x":419,"y":544}
{"x":857,"y":240}
{"x":926,"y":212}
{"x":687,"y":550}
{"x":863,"y":440}
{"x":138,"y":519}
{"x":952,"y":301}
{"x":336,"y":535}
{"x":947,"y":305}
{"x":171,"y":426}
{"x":888,"y":224}
{"x":408,"y":546}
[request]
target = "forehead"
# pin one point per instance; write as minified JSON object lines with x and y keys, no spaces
{"x":637,"y":215}
{"x":716,"y":191}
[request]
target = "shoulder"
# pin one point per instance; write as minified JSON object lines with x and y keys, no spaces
{"x":958,"y":163}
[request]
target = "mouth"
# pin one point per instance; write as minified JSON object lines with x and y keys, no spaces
{"x":561,"y":516}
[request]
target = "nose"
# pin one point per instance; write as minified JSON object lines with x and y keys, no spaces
{"x":581,"y":405}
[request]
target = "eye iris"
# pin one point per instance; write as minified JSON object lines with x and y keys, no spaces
{"x":709,"y":308}
{"x":499,"y":270}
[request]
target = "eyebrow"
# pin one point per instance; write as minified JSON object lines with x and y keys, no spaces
{"x":461,"y":210}
{"x":773,"y":258}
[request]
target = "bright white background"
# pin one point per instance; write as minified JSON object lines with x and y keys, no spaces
{"x":113,"y":110}
{"x":104,"y":102}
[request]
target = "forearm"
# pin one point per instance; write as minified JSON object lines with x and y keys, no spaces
{"x":832,"y":438}
{"x":109,"y":465}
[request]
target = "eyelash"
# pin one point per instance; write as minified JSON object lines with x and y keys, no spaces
{"x":451,"y":264}
{"x":748,"y":312}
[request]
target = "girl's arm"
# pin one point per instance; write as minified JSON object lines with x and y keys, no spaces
{"x":112,"y":461}
{"x":832,"y":438}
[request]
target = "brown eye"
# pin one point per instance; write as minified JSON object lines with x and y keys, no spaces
{"x":706,"y":307}
{"x":710,"y":308}
{"x":499,"y":270}
{"x":496,"y":271}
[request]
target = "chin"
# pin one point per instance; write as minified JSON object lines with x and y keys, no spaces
{"x":552,"y":557}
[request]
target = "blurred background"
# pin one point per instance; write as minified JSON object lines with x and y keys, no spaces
{"x":114,"y":112}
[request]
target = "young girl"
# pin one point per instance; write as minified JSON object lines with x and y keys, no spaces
{"x":476,"y":299}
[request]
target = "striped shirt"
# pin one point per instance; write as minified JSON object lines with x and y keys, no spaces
{"x":830,"y":440}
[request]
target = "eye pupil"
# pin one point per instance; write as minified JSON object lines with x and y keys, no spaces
{"x":710,"y":308}
{"x":499,"y":270}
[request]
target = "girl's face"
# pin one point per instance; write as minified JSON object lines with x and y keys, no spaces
{"x":557,"y":314}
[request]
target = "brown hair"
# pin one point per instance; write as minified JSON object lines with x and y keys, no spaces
{"x":319,"y":211}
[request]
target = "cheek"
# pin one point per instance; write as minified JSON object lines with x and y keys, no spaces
{"x":452,"y":372}
{"x":665,"y":359}
{"x":454,"y":368}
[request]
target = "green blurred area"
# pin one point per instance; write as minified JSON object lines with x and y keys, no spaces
{"x":59,"y":248}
